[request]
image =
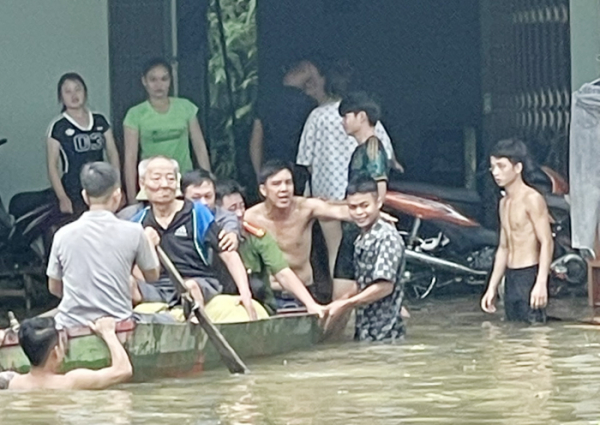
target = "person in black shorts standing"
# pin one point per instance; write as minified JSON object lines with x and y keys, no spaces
{"x":369,"y":160}
{"x":525,"y":252}
{"x":77,"y":136}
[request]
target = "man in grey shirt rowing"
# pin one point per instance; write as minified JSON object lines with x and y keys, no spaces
{"x":92,"y":258}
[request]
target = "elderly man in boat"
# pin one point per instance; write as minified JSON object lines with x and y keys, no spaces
{"x":91,"y":259}
{"x":187,"y":232}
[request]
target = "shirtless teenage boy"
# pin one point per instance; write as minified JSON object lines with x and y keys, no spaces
{"x":526,"y":244}
{"x":290,"y":218}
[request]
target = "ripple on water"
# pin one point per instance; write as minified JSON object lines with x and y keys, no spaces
{"x":453,"y":368}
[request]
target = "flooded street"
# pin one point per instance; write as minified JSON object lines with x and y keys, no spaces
{"x":457,"y":366}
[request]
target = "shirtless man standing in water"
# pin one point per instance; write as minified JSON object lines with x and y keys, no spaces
{"x":46,"y":349}
{"x":526,"y":244}
{"x":290,"y":218}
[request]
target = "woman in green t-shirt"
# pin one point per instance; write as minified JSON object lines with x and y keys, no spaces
{"x":161,"y":125}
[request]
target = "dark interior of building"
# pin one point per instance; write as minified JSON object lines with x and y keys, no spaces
{"x":452,"y":77}
{"x":422,"y":63}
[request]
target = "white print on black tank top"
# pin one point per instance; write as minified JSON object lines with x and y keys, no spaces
{"x":82,"y":143}
{"x":79,"y":144}
{"x":88,"y":142}
{"x":85,"y":141}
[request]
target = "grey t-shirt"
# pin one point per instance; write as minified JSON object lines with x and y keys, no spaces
{"x":227,"y":220}
{"x":93,"y":257}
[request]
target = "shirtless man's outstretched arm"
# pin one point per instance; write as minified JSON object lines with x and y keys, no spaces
{"x":328,"y":210}
{"x":324,"y":210}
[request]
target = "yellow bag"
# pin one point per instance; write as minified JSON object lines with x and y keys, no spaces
{"x":220,"y":309}
{"x":228,"y":309}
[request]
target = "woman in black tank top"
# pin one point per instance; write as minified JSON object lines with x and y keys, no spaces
{"x":74,"y":138}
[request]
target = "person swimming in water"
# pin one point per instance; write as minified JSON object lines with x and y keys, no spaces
{"x":45,"y":348}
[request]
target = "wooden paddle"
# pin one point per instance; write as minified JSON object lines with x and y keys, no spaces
{"x":228,"y":355}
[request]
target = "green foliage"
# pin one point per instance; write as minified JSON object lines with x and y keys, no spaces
{"x":239,"y":21}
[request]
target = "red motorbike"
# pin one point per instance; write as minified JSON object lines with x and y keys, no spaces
{"x":446,"y":247}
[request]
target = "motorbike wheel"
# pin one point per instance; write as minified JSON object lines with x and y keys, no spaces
{"x":419,"y":283}
{"x":577,"y":271}
{"x":569,"y":276}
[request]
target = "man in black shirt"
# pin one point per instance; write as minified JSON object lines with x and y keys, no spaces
{"x":281,"y":114}
{"x":188,"y":234}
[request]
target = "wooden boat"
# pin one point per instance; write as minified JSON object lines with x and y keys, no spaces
{"x":178,"y":349}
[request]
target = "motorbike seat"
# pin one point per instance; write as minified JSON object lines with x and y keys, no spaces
{"x":484,"y":237}
{"x":557,"y":202}
{"x":458,"y":195}
{"x":465,"y":239}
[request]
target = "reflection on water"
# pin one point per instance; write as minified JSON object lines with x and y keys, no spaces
{"x":457,"y":366}
{"x":61,"y":407}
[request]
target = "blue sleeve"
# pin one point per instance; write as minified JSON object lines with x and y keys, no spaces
{"x":139,"y":216}
{"x":203,"y":218}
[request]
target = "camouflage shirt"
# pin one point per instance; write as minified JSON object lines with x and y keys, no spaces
{"x":369,"y":160}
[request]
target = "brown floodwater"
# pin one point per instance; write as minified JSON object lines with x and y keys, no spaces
{"x":456,"y":366}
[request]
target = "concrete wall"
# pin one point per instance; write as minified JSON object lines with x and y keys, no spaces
{"x":40,"y":41}
{"x":585,"y":41}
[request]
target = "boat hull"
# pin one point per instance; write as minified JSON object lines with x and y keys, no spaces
{"x":180,"y":349}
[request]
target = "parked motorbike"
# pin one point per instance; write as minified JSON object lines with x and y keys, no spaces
{"x":6,"y":221}
{"x":446,"y":247}
{"x":443,"y":246}
{"x":23,"y":229}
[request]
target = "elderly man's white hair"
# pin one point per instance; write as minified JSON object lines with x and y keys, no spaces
{"x":143,"y":165}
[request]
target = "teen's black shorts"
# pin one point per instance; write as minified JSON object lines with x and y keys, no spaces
{"x":517,"y":294}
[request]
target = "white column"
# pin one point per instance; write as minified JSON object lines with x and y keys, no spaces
{"x":585,"y":41}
